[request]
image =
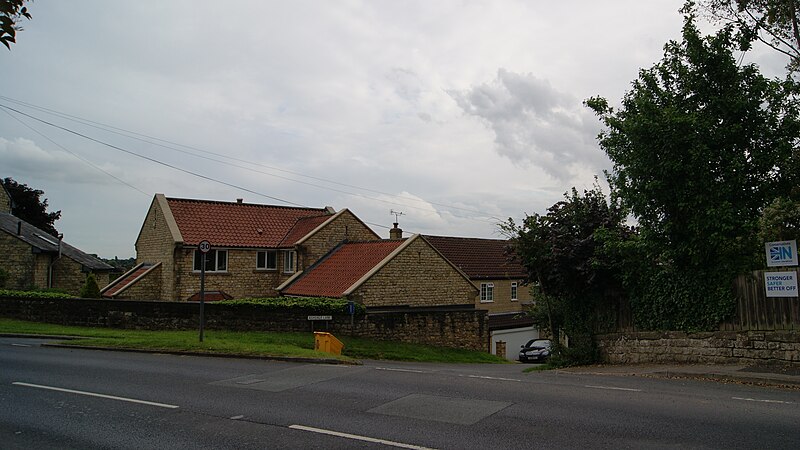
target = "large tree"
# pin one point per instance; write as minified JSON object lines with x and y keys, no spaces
{"x":29,"y":206}
{"x":11,"y":12}
{"x":700,"y":146}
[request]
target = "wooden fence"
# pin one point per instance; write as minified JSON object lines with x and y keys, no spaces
{"x":757,"y":312}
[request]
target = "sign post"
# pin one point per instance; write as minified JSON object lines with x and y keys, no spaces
{"x":204,"y":247}
{"x":351,"y":309}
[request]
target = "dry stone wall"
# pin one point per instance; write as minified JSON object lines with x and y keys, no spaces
{"x":721,"y":347}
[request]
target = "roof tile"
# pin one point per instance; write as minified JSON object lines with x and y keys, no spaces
{"x":479,"y":258}
{"x":228,"y":224}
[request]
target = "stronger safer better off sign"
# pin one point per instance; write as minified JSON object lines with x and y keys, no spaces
{"x":781,"y":284}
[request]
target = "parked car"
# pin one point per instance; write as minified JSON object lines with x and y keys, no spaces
{"x":536,"y":350}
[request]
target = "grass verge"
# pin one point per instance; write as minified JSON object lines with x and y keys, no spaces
{"x":247,"y":343}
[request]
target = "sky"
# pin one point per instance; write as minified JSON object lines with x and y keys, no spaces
{"x":459,"y":114}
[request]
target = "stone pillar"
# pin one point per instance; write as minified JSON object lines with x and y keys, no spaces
{"x":500,"y":349}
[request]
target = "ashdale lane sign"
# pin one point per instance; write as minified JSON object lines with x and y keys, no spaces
{"x":783,"y":253}
{"x":781,"y":284}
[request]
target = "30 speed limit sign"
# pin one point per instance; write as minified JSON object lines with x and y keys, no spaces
{"x":204,"y":246}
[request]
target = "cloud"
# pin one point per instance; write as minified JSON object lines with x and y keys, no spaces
{"x":534,"y":124}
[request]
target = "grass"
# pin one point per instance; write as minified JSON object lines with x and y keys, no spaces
{"x":248,"y":343}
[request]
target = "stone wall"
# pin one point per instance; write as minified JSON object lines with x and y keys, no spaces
{"x":345,"y":227}
{"x":418,"y":276}
{"x":18,"y":261}
{"x":502,"y":296}
{"x":464,"y":328}
{"x":720,"y":347}
{"x":156,"y":244}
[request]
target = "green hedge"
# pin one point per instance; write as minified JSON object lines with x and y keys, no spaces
{"x":306,"y":304}
{"x":33,"y":294}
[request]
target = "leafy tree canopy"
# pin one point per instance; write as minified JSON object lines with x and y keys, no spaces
{"x":29,"y":206}
{"x":700,"y":146}
{"x":11,"y":12}
{"x":774,"y":22}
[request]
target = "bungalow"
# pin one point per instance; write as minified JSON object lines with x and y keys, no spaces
{"x":385,"y":274}
{"x":33,"y":258}
{"x":255,"y":248}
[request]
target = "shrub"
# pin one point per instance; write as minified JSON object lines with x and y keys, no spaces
{"x":90,"y":289}
{"x":33,"y":294}
{"x":306,"y":304}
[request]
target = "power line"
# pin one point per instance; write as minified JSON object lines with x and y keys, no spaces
{"x":84,"y":160}
{"x":158,"y":142}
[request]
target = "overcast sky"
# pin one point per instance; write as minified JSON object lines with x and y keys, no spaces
{"x":457,"y":113}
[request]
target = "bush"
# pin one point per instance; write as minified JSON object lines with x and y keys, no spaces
{"x":33,"y":294}
{"x":90,"y":289}
{"x":305,"y":304}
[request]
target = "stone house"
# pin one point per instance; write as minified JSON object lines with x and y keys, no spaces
{"x":34,"y":259}
{"x":500,"y":279}
{"x":385,"y":274}
{"x":255,"y":248}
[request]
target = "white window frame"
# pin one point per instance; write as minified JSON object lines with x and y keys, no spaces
{"x":266,"y":254}
{"x":289,"y":258}
{"x":487,"y":292}
{"x":514,"y":293}
{"x":216,"y":254}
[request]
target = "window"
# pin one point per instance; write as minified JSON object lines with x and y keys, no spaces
{"x":288,"y":262}
{"x":216,"y":260}
{"x":487,"y":292}
{"x":267,"y":260}
{"x":514,"y":292}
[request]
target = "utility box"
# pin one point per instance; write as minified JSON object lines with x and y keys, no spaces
{"x":326,"y":342}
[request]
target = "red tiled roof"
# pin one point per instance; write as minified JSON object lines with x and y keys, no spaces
{"x":341,"y":269}
{"x":301,"y":228}
{"x":123,"y":283}
{"x":210,"y":296}
{"x":479,"y":258}
{"x":228,"y":224}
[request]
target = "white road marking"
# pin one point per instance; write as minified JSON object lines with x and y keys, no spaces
{"x":357,"y":437}
{"x":21,"y":345}
{"x":611,"y":388}
{"x":237,"y":417}
{"x":92,"y":394}
{"x":399,"y":370}
{"x":483,"y":377}
{"x":762,"y":401}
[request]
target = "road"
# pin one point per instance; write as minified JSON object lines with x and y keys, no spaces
{"x":67,"y":398}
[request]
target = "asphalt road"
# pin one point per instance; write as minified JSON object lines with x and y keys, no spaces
{"x":65,"y":398}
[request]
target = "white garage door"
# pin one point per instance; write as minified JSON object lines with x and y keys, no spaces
{"x":514,"y":339}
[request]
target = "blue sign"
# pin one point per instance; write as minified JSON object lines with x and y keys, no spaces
{"x":351,"y":308}
{"x":783,"y":253}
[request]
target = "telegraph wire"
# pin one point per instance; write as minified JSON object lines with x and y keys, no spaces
{"x":205,"y":177}
{"x":84,"y":160}
{"x":161,"y":143}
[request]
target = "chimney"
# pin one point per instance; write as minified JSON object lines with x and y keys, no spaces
{"x":239,"y":200}
{"x":395,"y":233}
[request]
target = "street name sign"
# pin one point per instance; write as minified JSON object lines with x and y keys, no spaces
{"x":320,"y":317}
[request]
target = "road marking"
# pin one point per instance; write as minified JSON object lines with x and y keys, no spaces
{"x":611,"y":388}
{"x":21,"y":345}
{"x":237,"y":417}
{"x":762,"y":401}
{"x":400,"y":370}
{"x":358,"y":438}
{"x":483,"y":377}
{"x":92,"y":394}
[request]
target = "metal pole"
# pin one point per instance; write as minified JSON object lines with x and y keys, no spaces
{"x":202,"y":294}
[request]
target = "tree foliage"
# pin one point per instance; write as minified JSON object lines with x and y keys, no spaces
{"x":561,"y":251}
{"x":90,"y":289}
{"x":776,"y":23}
{"x":700,"y":146}
{"x":11,"y":12}
{"x":28,"y":206}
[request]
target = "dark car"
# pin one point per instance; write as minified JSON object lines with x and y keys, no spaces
{"x":536,"y":350}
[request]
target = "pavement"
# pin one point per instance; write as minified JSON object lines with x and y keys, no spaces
{"x":763,"y":375}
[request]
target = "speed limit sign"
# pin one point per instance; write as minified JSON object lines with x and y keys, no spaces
{"x":204,"y":246}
